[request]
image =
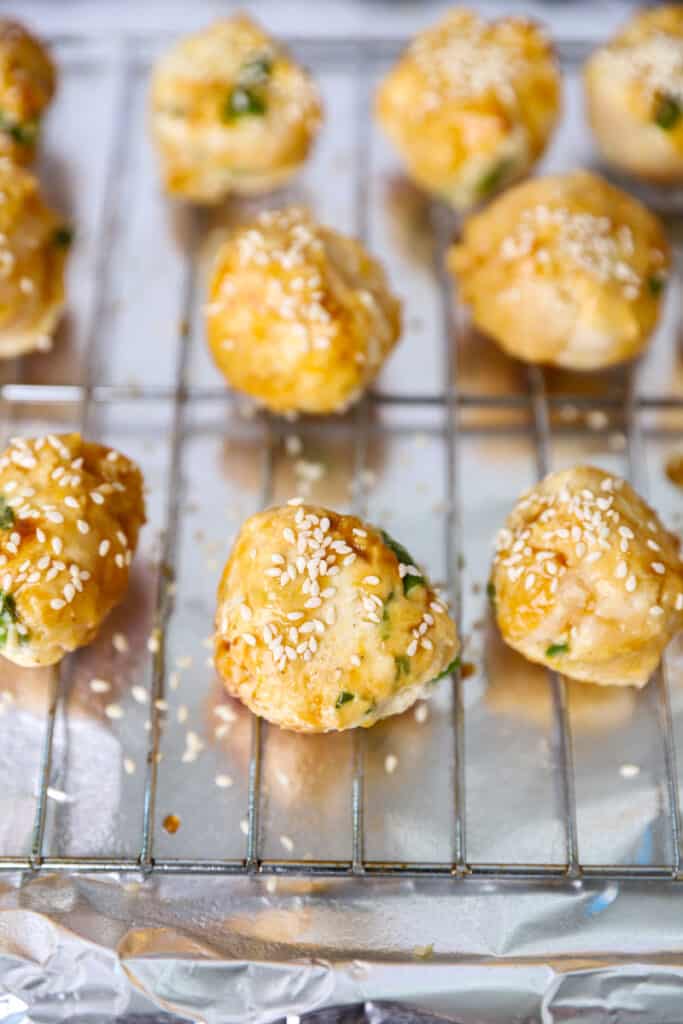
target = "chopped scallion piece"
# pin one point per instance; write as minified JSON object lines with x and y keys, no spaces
{"x":256,"y":71}
{"x":6,"y":514}
{"x":402,"y":665}
{"x":667,"y":113}
{"x":63,"y":236}
{"x":344,"y":698}
{"x":494,"y":178}
{"x":243,"y":102}
{"x":554,"y":649}
{"x":404,"y":558}
{"x":448,"y":671}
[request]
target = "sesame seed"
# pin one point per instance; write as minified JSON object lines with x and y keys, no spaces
{"x":355,"y":661}
{"x":371,"y":581}
{"x":57,"y":604}
{"x":129,"y":765}
{"x":631,"y":584}
{"x":390,"y":764}
{"x":223,"y":781}
{"x":103,"y":548}
{"x":82,"y":526}
{"x":139,"y":694}
{"x":70,"y":502}
{"x":100,"y":686}
{"x":120,"y":643}
{"x":113,"y":711}
{"x":97,"y":497}
{"x":621,"y":571}
{"x":658,"y":567}
{"x":249,"y":639}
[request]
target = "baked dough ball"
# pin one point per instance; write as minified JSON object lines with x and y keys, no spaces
{"x":231,"y":112}
{"x":586,"y":580}
{"x":566,"y":270}
{"x":324,"y":623}
{"x":634,"y":95}
{"x":27,"y":84}
{"x":33,"y":245}
{"x":70,"y":512}
{"x":300,"y":317}
{"x":471,"y":104}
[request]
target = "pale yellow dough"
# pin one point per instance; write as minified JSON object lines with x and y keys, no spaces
{"x":33,"y":248}
{"x":70,"y":513}
{"x":634,"y":95}
{"x":231,"y":112}
{"x":471,"y":104}
{"x":565,"y":270}
{"x":27,"y":84}
{"x":322,"y":625}
{"x":299,"y":316}
{"x":586,"y":580}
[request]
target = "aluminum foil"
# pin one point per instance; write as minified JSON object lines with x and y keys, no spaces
{"x":174,"y":946}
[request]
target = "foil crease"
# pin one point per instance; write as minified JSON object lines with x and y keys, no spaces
{"x":222,"y":951}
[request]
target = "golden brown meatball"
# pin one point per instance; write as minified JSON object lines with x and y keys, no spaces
{"x":324,"y":623}
{"x":231,"y":112}
{"x":634,"y":95}
{"x":471,"y":104}
{"x":70,"y":512}
{"x":300,"y":317}
{"x":586,"y":580}
{"x":33,"y":244}
{"x":27,"y":84}
{"x":565,"y":270}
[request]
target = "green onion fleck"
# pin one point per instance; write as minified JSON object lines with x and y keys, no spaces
{"x":491,"y":592}
{"x":554,"y":649}
{"x":655,"y":283}
{"x":494,"y":177}
{"x":256,"y":71}
{"x":243,"y":102}
{"x":8,"y":615}
{"x":63,"y":236}
{"x":25,"y":133}
{"x":344,"y":698}
{"x":402,"y":665}
{"x":6,"y":514}
{"x":667,"y":113}
{"x":448,"y":671}
{"x":404,"y":558}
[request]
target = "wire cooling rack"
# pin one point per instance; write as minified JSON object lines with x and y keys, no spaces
{"x":525,"y":409}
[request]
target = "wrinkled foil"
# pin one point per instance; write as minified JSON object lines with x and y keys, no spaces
{"x":174,"y":948}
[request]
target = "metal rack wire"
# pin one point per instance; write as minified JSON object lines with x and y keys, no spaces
{"x":92,"y":393}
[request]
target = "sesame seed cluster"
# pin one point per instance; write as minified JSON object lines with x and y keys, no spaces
{"x":594,"y":244}
{"x":70,"y":517}
{"x":321,"y":598}
{"x":583,"y":546}
{"x":465,"y":57}
{"x":655,"y":63}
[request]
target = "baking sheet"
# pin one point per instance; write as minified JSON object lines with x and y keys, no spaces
{"x":244,"y":949}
